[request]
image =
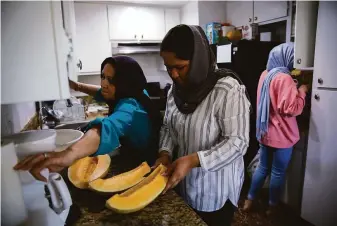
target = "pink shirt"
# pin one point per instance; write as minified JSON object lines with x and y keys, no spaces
{"x":286,"y":102}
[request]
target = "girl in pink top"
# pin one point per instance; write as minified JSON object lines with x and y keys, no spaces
{"x":278,"y":103}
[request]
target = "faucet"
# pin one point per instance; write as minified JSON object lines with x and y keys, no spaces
{"x":47,"y":117}
{"x":69,"y":103}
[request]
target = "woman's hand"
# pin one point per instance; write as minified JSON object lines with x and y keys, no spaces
{"x":179,"y":169}
{"x":54,"y":161}
{"x":164,"y":159}
{"x":304,"y":88}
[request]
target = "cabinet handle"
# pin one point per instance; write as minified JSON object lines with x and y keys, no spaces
{"x":320,"y":81}
{"x":142,"y":36}
{"x":316,"y":97}
{"x":250,"y":19}
{"x":135,"y":36}
{"x":79,"y":64}
{"x":299,"y":60}
{"x":255,"y":18}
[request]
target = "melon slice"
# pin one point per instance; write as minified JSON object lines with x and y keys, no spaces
{"x":141,"y":195}
{"x":88,"y":169}
{"x":122,"y":181}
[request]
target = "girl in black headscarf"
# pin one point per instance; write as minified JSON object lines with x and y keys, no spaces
{"x":133,"y":122}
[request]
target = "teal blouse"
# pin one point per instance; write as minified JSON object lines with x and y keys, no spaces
{"x":129,"y":119}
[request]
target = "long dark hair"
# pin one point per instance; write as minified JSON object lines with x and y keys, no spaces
{"x":130,"y":82}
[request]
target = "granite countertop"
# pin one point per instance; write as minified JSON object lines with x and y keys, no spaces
{"x":89,"y":208}
{"x":168,"y":209}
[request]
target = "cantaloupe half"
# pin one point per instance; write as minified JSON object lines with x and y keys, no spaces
{"x":88,"y":169}
{"x":141,"y":195}
{"x":122,"y":181}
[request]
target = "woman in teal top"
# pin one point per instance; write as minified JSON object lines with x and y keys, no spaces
{"x":133,"y":123}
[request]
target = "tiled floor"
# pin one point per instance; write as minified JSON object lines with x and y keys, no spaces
{"x":257,"y":216}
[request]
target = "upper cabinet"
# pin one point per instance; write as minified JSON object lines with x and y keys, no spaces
{"x":265,"y":10}
{"x":70,"y":29}
{"x":151,"y":23}
{"x":239,"y":13}
{"x":122,"y":22}
{"x":135,"y":23}
{"x":305,"y":33}
{"x":36,"y":52}
{"x":172,"y":18}
{"x":92,"y":36}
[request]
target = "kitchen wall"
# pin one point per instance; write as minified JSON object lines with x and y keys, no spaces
{"x":151,"y":64}
{"x":211,"y":11}
{"x":15,"y":116}
{"x":203,"y":12}
{"x":189,"y":13}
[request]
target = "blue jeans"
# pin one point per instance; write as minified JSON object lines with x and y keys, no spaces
{"x":275,"y":160}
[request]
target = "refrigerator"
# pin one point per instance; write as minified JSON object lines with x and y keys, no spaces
{"x":248,"y":58}
{"x":319,"y":197}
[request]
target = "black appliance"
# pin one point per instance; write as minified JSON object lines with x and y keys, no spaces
{"x":249,"y":59}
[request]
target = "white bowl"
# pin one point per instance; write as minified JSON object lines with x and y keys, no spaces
{"x":67,"y":137}
{"x":32,"y":142}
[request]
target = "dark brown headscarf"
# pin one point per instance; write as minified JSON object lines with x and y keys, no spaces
{"x":201,"y":77}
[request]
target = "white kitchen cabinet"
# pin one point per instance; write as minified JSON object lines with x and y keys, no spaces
{"x":172,"y":18}
{"x":136,"y":23}
{"x":123,"y":22}
{"x":35,"y":51}
{"x":151,"y":23}
{"x":70,"y":29}
{"x":92,"y":36}
{"x":239,"y":13}
{"x":320,"y":173}
{"x":326,"y":47}
{"x":305,"y":33}
{"x":269,"y":10}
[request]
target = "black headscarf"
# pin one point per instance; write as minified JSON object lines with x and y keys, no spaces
{"x":201,"y":77}
{"x":130,"y":82}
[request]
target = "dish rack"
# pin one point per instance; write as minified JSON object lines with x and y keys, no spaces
{"x":74,"y":112}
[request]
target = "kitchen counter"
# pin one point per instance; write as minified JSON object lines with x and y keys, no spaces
{"x":89,"y":208}
{"x":168,"y":209}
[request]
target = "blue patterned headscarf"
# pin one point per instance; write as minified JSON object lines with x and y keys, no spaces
{"x":281,"y":59}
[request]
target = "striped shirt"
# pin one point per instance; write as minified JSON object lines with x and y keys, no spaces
{"x":218,"y":130}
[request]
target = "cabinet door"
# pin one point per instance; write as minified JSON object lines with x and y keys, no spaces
{"x":239,"y":13}
{"x":123,"y":22}
{"x":320,"y":173}
{"x":305,"y":33}
{"x":151,"y":22}
{"x":34,"y":52}
{"x":172,"y":18}
{"x":266,"y":10}
{"x":92,"y":36}
{"x":70,"y":29}
{"x":326,"y":47}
